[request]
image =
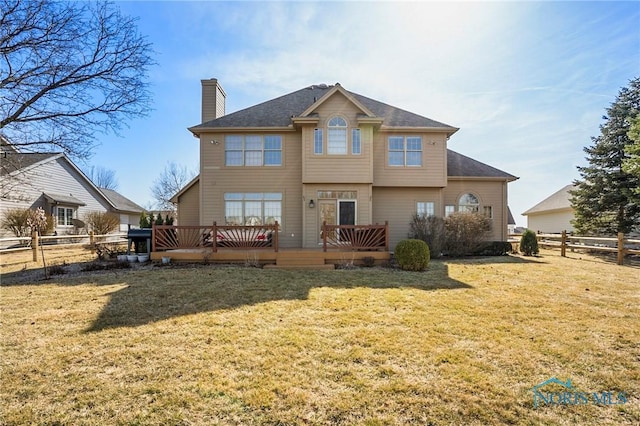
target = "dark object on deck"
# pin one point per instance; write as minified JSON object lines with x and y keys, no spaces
{"x":138,"y":236}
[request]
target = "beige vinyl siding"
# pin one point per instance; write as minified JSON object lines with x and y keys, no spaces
{"x":489,"y":193}
{"x":434,"y":160}
{"x":397,"y":205}
{"x":346,"y":168}
{"x":312,"y":222}
{"x":189,"y":206}
{"x":216,"y":179}
{"x":551,"y":222}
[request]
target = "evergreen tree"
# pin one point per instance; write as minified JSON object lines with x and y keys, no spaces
{"x":605,"y":199}
{"x":632,"y":164}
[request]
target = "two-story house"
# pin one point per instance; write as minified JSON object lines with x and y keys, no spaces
{"x":325,"y":154}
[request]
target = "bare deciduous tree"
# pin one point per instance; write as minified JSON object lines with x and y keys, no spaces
{"x":67,"y":71}
{"x":172,"y":179}
{"x":102,"y":177}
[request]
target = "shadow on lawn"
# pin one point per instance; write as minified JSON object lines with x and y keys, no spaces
{"x":176,"y":291}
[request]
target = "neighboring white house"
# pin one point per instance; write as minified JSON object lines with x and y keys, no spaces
{"x":53,"y":182}
{"x":553,"y":214}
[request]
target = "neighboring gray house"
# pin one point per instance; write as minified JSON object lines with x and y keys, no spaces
{"x":553,"y":214}
{"x":53,"y":182}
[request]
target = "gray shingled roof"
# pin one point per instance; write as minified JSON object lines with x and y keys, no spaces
{"x":278,"y":112}
{"x":556,"y":201}
{"x":459,"y":165}
{"x":63,"y":199}
{"x":17,"y":161}
{"x":121,"y":202}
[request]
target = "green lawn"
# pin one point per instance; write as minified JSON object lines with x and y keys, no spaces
{"x":462,"y":343}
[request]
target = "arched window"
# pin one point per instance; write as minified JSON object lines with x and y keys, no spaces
{"x":468,"y":203}
{"x":337,"y":136}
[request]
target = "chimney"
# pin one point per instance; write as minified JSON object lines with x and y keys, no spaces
{"x":213,"y":100}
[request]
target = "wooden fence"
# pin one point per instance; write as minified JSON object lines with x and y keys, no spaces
{"x":620,"y":245}
{"x":35,"y":241}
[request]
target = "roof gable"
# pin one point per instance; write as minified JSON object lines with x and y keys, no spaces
{"x":559,"y":200}
{"x":337,"y":89}
{"x":24,"y":162}
{"x":278,"y":112}
{"x":17,"y":162}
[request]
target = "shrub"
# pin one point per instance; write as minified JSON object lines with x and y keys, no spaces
{"x":412,"y":255}
{"x":494,"y":248}
{"x":159,"y":220}
{"x":102,"y":223}
{"x":16,"y":221}
{"x":19,"y":221}
{"x":465,"y":233}
{"x":108,"y":250}
{"x":144,"y":220}
{"x":529,"y":243}
{"x":429,"y":229}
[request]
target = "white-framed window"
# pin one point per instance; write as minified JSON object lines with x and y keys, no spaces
{"x":337,"y":136}
{"x":468,"y":203}
{"x":252,"y":208}
{"x":253,"y":150}
{"x":65,"y":215}
{"x":356,"y":144}
{"x":449,"y":210}
{"x":488,"y":211}
{"x":405,"y":151}
{"x":426,"y":208}
{"x":318,"y":142}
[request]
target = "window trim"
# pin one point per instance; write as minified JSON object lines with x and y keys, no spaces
{"x":356,"y":137}
{"x":243,"y":150}
{"x":449,"y":209}
{"x":318,"y":141}
{"x":469,"y":207}
{"x":405,"y":150}
{"x":68,"y":220}
{"x":253,"y":197}
{"x":343,"y":129}
{"x":430,"y":208}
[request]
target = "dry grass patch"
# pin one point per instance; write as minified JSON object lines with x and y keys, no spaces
{"x":462,"y":343}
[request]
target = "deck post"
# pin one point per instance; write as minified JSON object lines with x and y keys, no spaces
{"x":620,"y":248}
{"x":386,"y":235}
{"x":563,"y":244}
{"x":275,"y":238}
{"x":153,"y":237}
{"x":323,"y":230}
{"x":214,"y":237}
{"x":34,"y":245}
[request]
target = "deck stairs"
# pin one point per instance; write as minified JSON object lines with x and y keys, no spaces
{"x":296,"y":259}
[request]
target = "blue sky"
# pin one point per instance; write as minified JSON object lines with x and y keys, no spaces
{"x":527,"y":83}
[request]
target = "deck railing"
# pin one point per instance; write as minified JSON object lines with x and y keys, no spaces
{"x":170,"y":237}
{"x":355,"y":237}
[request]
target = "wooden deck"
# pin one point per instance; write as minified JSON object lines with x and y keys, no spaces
{"x":283,"y":258}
